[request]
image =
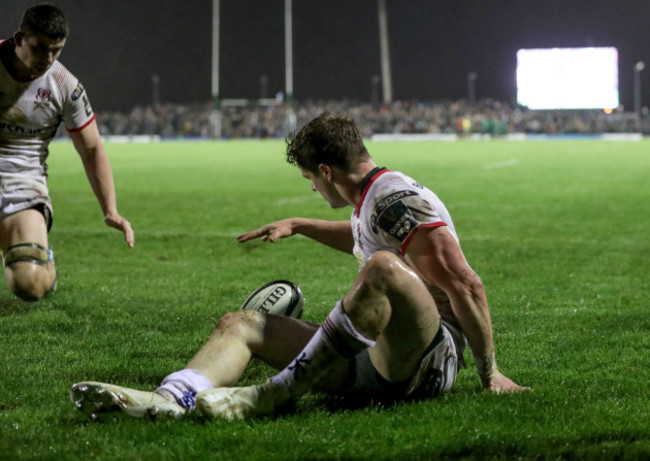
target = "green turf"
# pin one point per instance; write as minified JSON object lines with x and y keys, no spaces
{"x":558,"y":231}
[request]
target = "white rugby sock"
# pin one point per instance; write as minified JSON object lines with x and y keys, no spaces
{"x":183,"y":385}
{"x":333,"y":343}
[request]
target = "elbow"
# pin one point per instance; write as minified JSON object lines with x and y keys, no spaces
{"x":469,"y":285}
{"x":475,"y":285}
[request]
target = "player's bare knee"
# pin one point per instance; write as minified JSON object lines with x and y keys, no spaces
{"x":384,"y":269}
{"x":368,"y":305}
{"x":225,"y":322}
{"x":29,"y":270}
{"x":29,"y":281}
{"x":384,"y":282}
{"x":237,"y":322}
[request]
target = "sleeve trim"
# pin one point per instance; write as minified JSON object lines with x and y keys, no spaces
{"x":71,"y":130}
{"x":408,"y":239}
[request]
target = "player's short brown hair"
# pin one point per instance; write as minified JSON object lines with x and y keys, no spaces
{"x":332,"y":139}
{"x":45,"y":19}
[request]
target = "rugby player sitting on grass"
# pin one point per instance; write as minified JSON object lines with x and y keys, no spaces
{"x":399,"y":332}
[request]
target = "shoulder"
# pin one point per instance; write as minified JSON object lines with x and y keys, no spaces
{"x":63,"y":78}
{"x":69,"y":86}
{"x":400,"y":204}
{"x":394,"y":185}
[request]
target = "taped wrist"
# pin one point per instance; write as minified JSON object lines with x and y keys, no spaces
{"x":485,"y":365}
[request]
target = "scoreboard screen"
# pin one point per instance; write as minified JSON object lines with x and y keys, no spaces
{"x":568,"y":78}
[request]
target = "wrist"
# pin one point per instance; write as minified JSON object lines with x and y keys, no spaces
{"x":486,"y":365}
{"x":297,"y":225}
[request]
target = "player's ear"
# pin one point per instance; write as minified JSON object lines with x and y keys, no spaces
{"x":19,"y":35}
{"x":326,"y":170}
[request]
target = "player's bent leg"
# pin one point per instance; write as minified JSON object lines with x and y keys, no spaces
{"x":29,"y":270}
{"x":242,"y":335}
{"x":312,"y":356}
{"x":389,"y":301}
{"x":100,"y":399}
{"x":237,"y":337}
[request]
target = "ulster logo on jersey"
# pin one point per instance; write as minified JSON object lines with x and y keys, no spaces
{"x":43,"y":98}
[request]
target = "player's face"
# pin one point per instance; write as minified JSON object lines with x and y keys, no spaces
{"x":325,"y":187}
{"x":38,"y":52}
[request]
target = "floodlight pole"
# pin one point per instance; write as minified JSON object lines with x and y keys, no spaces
{"x":638,"y":67}
{"x":387,"y":82}
{"x":155,"y":86}
{"x":288,"y":50}
{"x":471,"y":86}
{"x":215,"y":116}
{"x":290,"y":118}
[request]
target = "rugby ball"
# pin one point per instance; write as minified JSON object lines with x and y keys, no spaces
{"x":279,"y":297}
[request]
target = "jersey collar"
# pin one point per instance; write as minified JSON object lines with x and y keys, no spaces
{"x":365,"y":184}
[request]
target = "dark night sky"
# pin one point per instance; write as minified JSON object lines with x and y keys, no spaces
{"x":116,"y":45}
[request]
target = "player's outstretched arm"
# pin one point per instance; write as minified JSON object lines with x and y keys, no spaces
{"x":98,"y":170}
{"x":335,"y":234}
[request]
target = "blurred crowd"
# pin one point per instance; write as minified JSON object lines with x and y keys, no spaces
{"x":485,"y":117}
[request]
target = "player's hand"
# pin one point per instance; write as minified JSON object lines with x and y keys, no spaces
{"x":270,"y":232}
{"x":499,"y":383}
{"x":119,"y":223}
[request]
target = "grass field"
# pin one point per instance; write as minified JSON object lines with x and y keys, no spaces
{"x":558,"y":231}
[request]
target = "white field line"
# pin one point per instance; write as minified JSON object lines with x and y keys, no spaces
{"x":295,"y":200}
{"x":504,"y":164}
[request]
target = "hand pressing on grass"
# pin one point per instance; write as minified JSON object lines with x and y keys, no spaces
{"x":497,"y":382}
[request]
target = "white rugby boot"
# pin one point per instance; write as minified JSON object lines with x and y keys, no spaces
{"x":100,"y":399}
{"x":233,"y":403}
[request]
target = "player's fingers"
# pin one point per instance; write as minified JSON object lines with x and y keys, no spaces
{"x":251,"y":235}
{"x":278,"y":233}
{"x":129,"y":236}
{"x":123,"y":225}
{"x":509,"y":389}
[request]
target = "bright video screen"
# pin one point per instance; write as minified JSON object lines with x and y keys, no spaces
{"x":568,"y":78}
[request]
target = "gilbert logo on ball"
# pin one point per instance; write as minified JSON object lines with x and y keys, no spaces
{"x":279,"y":297}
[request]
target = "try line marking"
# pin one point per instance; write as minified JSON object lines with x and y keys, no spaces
{"x":504,"y":164}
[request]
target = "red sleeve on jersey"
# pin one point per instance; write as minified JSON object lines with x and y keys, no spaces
{"x":82,"y":126}
{"x":414,"y":231}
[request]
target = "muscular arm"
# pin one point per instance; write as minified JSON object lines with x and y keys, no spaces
{"x":335,"y":234}
{"x":436,"y":255}
{"x":88,"y":144}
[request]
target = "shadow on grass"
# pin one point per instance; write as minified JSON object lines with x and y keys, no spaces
{"x":14,"y":306}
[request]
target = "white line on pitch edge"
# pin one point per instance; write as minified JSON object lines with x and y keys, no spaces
{"x":507,"y":163}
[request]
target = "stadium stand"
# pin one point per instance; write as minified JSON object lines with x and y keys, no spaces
{"x":488,"y":118}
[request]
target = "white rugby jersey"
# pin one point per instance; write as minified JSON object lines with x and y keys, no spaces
{"x":30,"y":113}
{"x":393,"y":206}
